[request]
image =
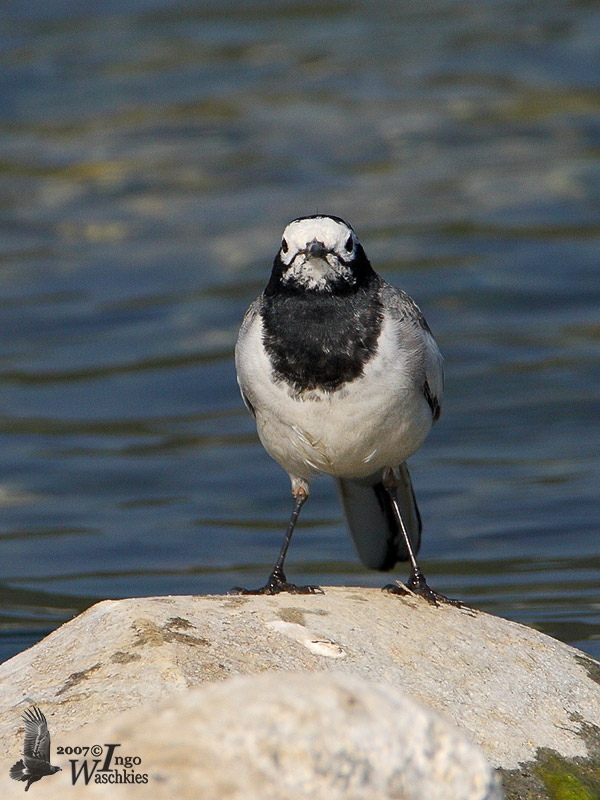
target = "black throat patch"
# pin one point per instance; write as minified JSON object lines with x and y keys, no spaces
{"x":319,"y":340}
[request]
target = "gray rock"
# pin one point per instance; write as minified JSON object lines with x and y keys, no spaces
{"x":516,"y":693}
{"x":282,"y":735}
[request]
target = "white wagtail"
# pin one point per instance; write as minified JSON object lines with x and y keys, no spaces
{"x":343,"y":376}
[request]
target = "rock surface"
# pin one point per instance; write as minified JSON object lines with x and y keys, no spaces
{"x":283,"y":735}
{"x":512,"y":690}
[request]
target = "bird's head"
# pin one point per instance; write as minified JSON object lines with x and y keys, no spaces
{"x":320,"y":254}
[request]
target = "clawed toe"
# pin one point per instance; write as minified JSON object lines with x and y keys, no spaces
{"x":419,"y":586}
{"x":291,"y":588}
{"x":276,"y":584}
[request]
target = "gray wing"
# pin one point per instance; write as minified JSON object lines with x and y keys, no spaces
{"x":37,"y":737}
{"x":415,"y":336}
{"x":249,"y":318}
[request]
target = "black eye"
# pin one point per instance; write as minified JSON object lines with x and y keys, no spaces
{"x":349,"y":244}
{"x":284,"y":245}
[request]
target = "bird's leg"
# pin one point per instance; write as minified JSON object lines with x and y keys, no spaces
{"x":277,"y":581}
{"x":416,"y":582}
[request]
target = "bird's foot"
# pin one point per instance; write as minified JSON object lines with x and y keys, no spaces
{"x":418,"y":585}
{"x":276,"y":584}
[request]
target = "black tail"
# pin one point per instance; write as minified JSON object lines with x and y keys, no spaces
{"x":372,"y":523}
{"x":17,"y":772}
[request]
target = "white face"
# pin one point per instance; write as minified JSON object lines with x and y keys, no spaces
{"x":317,"y":253}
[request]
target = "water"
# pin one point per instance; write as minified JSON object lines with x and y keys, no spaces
{"x":151,"y":154}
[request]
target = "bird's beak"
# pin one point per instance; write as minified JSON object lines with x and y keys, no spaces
{"x":317,"y":249}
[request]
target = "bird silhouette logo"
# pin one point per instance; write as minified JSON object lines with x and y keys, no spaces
{"x":35,"y":763}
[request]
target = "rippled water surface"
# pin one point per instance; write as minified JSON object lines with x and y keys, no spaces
{"x":150,"y":155}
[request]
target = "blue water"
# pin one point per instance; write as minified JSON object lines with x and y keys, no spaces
{"x":151,"y":154}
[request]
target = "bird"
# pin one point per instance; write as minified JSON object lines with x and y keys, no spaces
{"x":343,"y":377}
{"x":35,"y":763}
